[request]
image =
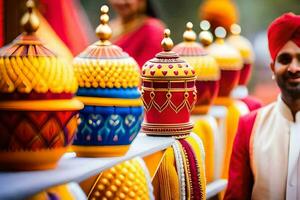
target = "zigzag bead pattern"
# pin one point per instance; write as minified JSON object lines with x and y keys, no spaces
{"x":40,"y":74}
{"x":169,"y":103}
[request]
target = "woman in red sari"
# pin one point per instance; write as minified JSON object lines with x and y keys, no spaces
{"x":136,"y":29}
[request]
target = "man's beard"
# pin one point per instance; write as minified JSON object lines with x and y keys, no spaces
{"x":291,"y":89}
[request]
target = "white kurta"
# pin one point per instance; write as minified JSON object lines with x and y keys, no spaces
{"x":274,"y":153}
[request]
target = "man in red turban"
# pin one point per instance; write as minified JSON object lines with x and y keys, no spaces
{"x":265,"y":161}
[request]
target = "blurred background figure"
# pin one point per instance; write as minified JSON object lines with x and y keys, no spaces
{"x":64,"y":24}
{"x":70,"y":22}
{"x":219,"y":13}
{"x":136,"y":29}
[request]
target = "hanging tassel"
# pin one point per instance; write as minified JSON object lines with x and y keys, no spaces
{"x":165,"y":183}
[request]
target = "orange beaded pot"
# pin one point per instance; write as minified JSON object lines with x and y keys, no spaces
{"x":168,"y":93}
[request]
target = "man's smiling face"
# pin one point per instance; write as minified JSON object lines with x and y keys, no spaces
{"x":287,"y":69}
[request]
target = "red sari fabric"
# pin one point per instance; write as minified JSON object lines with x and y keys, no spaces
{"x":241,"y":178}
{"x":143,"y":43}
{"x":194,"y":172}
{"x":70,"y":23}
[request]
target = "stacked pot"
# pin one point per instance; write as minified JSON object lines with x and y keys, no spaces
{"x":38,"y":115}
{"x":168,"y":92}
{"x":108,"y":81}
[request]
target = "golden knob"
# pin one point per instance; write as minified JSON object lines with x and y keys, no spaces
{"x":167,"y":43}
{"x":103,"y":31}
{"x":189,"y":35}
{"x":30,"y":22}
{"x":205,"y":36}
{"x":235,"y":29}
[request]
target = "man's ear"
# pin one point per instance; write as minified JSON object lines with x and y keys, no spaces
{"x":272,"y":65}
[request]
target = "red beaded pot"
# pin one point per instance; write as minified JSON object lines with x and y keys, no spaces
{"x":38,"y":116}
{"x":168,"y":93}
{"x":245,"y":48}
{"x":229,"y":61}
{"x":206,"y":68}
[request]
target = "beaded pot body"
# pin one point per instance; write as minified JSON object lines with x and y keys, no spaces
{"x":168,"y":94}
{"x":108,"y":86}
{"x":129,"y":180}
{"x":243,"y":45}
{"x":230,"y":63}
{"x":207,"y":72}
{"x":38,"y":116}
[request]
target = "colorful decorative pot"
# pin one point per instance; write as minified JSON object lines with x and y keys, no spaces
{"x":38,"y":116}
{"x":229,"y":61}
{"x":245,"y":48}
{"x":206,"y":68}
{"x":129,"y":180}
{"x":108,"y":86}
{"x":168,"y":92}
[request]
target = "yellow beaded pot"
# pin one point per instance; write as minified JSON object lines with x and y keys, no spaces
{"x":129,"y":180}
{"x":38,"y":116}
{"x":229,"y":61}
{"x":108,"y":81}
{"x":245,"y":48}
{"x":206,"y":68}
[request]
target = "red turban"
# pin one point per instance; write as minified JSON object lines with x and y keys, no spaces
{"x":281,"y":30}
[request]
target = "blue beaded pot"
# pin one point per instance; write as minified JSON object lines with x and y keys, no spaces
{"x":108,"y":82}
{"x":101,"y":128}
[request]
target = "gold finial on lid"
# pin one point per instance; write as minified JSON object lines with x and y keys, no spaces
{"x":235,"y":29}
{"x":205,"y":36}
{"x":167,"y":43}
{"x":103,"y":31}
{"x":30,"y":22}
{"x":189,"y":35}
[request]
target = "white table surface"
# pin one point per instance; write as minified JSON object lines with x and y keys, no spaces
{"x":18,"y":185}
